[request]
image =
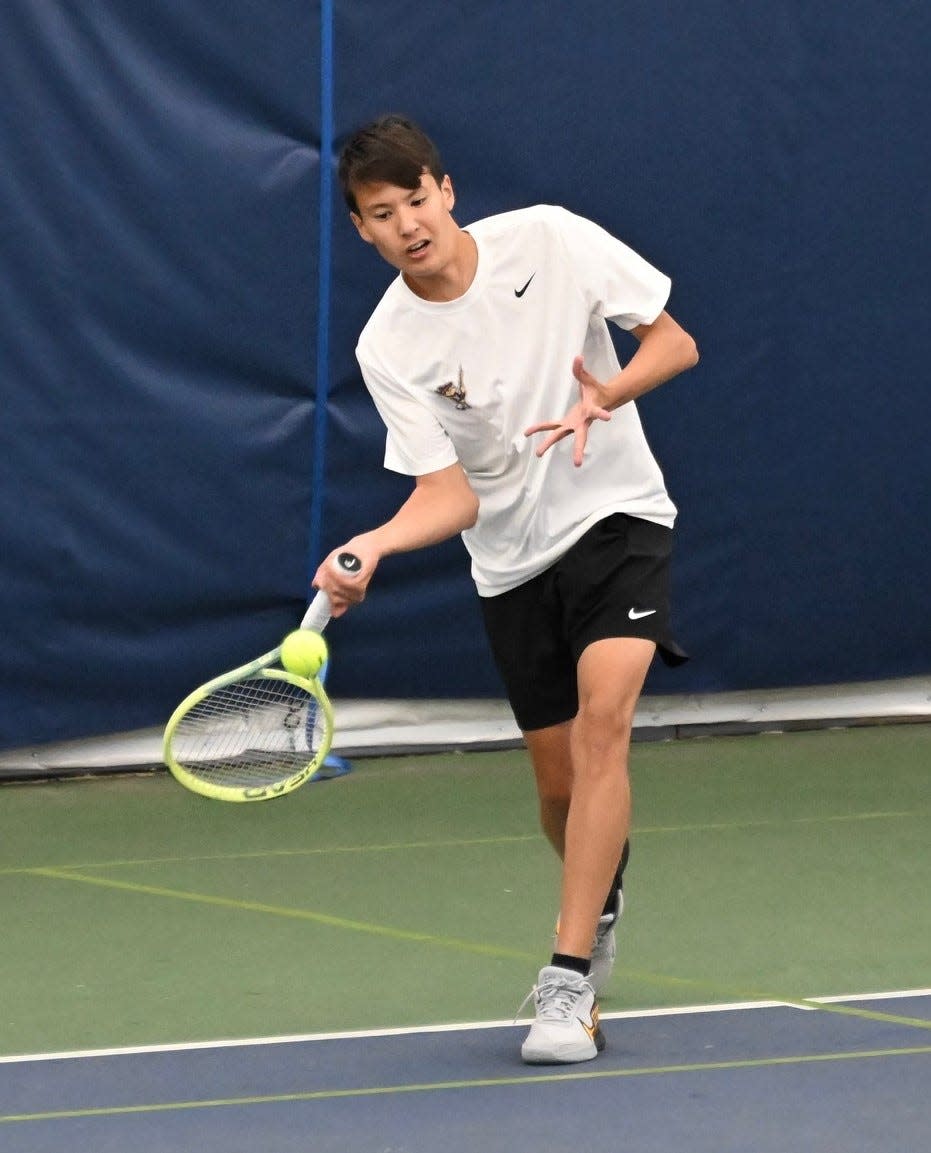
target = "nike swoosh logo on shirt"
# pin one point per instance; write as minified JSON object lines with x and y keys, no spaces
{"x":519,"y":292}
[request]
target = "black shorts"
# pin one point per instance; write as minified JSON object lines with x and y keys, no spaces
{"x":613,"y":582}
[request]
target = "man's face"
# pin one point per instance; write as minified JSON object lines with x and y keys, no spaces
{"x":412,"y":230}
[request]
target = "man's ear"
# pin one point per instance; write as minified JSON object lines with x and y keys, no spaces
{"x":360,"y":227}
{"x":449,"y":195}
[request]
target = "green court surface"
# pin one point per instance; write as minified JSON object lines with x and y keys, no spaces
{"x":418,"y":890}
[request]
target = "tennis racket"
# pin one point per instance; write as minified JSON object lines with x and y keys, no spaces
{"x":258,"y":731}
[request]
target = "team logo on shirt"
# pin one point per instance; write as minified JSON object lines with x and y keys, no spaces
{"x":454,"y":392}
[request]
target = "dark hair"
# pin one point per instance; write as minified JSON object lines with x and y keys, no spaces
{"x":390,"y":150}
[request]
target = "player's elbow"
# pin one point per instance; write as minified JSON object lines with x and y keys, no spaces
{"x":688,"y":351}
{"x":469,"y":510}
{"x":466,"y":501}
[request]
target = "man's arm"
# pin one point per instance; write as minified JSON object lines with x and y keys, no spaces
{"x":665,"y":350}
{"x":441,"y":505}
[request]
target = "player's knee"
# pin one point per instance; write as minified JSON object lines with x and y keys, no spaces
{"x":554,"y":792}
{"x":605,"y":723}
{"x":600,"y":745}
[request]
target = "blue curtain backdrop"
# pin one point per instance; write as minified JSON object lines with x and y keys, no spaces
{"x":167,"y":479}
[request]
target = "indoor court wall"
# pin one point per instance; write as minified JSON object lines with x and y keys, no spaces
{"x":164,"y":486}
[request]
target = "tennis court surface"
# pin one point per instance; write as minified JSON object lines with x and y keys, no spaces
{"x":771,"y":990}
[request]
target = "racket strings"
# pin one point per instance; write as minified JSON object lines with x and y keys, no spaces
{"x":250,"y":734}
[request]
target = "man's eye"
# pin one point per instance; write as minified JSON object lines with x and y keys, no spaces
{"x":416,"y":203}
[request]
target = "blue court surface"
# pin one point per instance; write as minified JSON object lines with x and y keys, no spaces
{"x":844,"y":1074}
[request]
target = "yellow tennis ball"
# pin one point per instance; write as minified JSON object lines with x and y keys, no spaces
{"x":303,"y":652}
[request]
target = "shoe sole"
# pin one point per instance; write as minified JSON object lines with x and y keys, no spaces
{"x":568,"y":1055}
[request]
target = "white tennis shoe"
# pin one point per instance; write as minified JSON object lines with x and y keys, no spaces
{"x":604,"y":948}
{"x":566,"y":1028}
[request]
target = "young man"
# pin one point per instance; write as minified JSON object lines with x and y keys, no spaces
{"x":487,"y":335}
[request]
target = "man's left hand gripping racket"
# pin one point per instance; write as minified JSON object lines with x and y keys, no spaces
{"x":258,"y":731}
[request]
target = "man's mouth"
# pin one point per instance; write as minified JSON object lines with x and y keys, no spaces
{"x":417,"y":248}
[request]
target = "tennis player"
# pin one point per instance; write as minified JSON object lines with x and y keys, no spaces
{"x":490,"y":361}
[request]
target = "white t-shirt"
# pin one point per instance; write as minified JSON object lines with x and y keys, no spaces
{"x":461,"y":380}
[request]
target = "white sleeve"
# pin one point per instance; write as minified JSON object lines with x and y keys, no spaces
{"x":618,"y":284}
{"x":416,"y":443}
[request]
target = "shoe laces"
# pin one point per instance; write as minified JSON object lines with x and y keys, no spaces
{"x":555,"y":1000}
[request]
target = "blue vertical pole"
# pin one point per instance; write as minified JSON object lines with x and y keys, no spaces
{"x":333,"y":765}
{"x":324,"y":277}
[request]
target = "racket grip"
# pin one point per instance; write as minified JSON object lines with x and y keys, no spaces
{"x":318,"y":613}
{"x":317,"y":616}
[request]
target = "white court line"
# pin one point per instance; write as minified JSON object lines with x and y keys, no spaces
{"x":872,"y":996}
{"x":361,"y":1034}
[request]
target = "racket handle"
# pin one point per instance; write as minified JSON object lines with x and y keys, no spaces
{"x":318,"y":613}
{"x":317,"y":616}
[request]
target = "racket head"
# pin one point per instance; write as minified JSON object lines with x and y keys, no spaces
{"x":251,"y":735}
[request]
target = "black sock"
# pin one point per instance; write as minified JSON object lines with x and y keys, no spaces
{"x":610,"y":909}
{"x":579,"y":965}
{"x":625,"y":857}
